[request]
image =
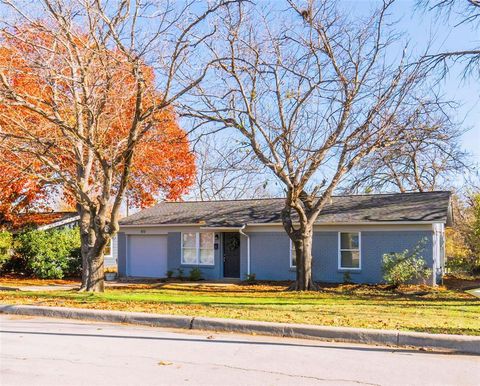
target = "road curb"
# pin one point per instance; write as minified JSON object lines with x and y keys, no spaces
{"x":454,"y":343}
{"x":155,"y":320}
{"x":457,"y":343}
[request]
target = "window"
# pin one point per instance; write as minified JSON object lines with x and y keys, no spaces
{"x":293,"y":255}
{"x":197,"y":248}
{"x":189,"y":248}
{"x":206,"y":250}
{"x":349,"y":256}
{"x":108,"y":249}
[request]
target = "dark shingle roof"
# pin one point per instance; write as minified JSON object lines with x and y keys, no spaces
{"x":399,"y":207}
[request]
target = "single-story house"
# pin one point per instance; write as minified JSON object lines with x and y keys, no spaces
{"x":232,"y":239}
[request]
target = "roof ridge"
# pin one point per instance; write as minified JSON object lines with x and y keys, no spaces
{"x":281,"y":198}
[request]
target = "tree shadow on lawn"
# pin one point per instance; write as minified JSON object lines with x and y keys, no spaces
{"x":345,"y":296}
{"x":316,"y":297}
{"x":357,"y":291}
{"x":266,"y":306}
{"x":340,"y":300}
{"x":391,"y":299}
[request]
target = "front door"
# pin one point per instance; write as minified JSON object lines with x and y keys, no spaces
{"x":231,"y":255}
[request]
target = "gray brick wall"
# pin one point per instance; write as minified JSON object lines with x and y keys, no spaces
{"x":270,"y":254}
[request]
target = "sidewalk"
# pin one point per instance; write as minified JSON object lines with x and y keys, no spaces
{"x":475,"y":292}
{"x":108,"y":284}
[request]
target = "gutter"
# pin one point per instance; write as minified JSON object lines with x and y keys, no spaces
{"x":204,"y":226}
{"x":220,"y":229}
{"x":240,"y":230}
{"x":58,"y":223}
{"x":446,"y":343}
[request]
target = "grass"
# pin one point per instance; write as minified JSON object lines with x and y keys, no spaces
{"x":430,"y":310}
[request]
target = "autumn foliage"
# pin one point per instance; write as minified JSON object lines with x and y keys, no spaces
{"x":36,"y":124}
{"x":19,"y":190}
{"x":81,"y":114}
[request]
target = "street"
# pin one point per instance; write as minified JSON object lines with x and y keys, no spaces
{"x":42,"y":351}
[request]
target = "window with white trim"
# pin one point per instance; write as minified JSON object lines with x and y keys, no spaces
{"x":198,"y":248}
{"x":293,"y":255}
{"x":349,"y":256}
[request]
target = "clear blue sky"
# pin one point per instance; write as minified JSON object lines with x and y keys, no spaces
{"x":423,"y":27}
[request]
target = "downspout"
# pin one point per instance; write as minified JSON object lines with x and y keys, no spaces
{"x":248,"y":246}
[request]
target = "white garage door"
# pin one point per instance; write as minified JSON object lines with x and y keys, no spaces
{"x":147,"y":256}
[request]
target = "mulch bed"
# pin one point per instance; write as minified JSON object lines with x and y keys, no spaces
{"x":461,"y":283}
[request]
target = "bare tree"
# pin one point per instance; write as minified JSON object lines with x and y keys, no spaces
{"x":81,"y":52}
{"x":462,"y":12}
{"x":226,"y":169}
{"x":313,"y":92}
{"x":428,"y":158}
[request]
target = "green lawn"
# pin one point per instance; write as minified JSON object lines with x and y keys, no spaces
{"x":436,"y":311}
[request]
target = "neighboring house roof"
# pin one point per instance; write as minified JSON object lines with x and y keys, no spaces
{"x":373,"y":208}
{"x":44,"y":220}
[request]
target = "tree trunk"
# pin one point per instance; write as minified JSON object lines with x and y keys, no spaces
{"x":93,"y":243}
{"x":85,"y":244}
{"x":96,"y":270}
{"x":303,"y":242}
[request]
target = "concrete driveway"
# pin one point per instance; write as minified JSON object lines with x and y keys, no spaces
{"x":42,"y":351}
{"x":475,"y":292}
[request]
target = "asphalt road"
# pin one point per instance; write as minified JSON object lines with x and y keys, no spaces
{"x":42,"y":351}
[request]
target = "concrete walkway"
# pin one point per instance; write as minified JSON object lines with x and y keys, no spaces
{"x":57,"y":287}
{"x":39,"y":288}
{"x":47,"y":351}
{"x":475,"y":292}
{"x":108,"y":284}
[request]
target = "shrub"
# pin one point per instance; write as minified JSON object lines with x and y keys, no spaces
{"x":169,"y":274}
{"x":195,"y":274}
{"x":347,"y":278}
{"x":404,"y":267}
{"x":180,"y":273}
{"x":251,"y":278}
{"x":50,"y":254}
{"x":110,"y":270}
{"x":462,"y":264}
{"x":5,"y":248}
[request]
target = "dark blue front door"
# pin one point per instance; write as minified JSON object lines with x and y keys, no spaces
{"x":231,"y":255}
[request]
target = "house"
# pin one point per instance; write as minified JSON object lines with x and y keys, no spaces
{"x":44,"y":221}
{"x":231,"y":239}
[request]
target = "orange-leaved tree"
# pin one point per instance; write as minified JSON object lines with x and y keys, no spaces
{"x":19,"y":189}
{"x":84,"y":114}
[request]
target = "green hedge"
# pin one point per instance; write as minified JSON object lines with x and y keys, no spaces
{"x":462,"y":264}
{"x":49,"y":254}
{"x":6,"y":245}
